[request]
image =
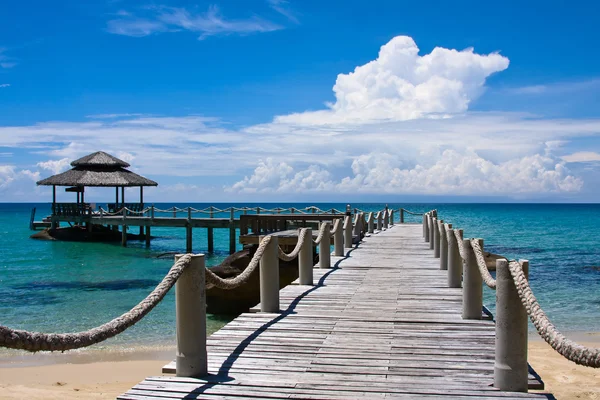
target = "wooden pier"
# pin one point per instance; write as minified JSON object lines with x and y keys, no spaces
{"x":381,"y":323}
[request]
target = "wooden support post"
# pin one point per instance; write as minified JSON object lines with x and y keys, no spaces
{"x":188,"y":238}
{"x":510,"y":367}
{"x":210,"y":235}
{"x":148,"y":235}
{"x":472,"y":284}
{"x":124,"y":231}
{"x":338,"y":240}
{"x":371,"y":222}
{"x":124,"y":236}
{"x":455,"y":262}
{"x":325,"y":247}
{"x":426,"y":227}
{"x":391,"y":217}
{"x":348,"y":232}
{"x":432,"y":220}
{"x":402,"y":215}
{"x":232,"y":243}
{"x":379,"y":221}
{"x":305,"y":260}
{"x":436,"y":237}
{"x":443,"y":246}
{"x":190,"y":306}
{"x":385,"y":218}
{"x":269,"y":277}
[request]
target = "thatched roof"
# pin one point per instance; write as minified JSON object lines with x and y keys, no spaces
{"x":98,"y":169}
{"x":99,"y":159}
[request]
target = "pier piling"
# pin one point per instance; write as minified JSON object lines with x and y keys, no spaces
{"x":338,"y":240}
{"x":305,"y":260}
{"x":472,"y":284}
{"x":269,"y":277}
{"x":325,"y":247}
{"x":190,"y":293}
{"x":454,"y":260}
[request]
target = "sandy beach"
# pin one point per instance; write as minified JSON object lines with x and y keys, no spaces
{"x":87,"y":377}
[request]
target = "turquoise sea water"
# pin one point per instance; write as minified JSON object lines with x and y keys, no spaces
{"x":52,"y":286}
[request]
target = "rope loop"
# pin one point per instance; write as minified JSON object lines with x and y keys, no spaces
{"x":483,"y":270}
{"x":213,"y":280}
{"x":459,"y":241}
{"x":336,"y":226}
{"x":37,"y":341}
{"x":582,"y":355}
{"x":301,"y":239}
{"x":321,"y":234}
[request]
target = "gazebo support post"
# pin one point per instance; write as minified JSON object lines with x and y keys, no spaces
{"x":147,"y":236}
{"x":54,"y":222}
{"x":115,"y":227}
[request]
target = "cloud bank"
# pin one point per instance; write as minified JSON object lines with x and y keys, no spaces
{"x":399,"y":124}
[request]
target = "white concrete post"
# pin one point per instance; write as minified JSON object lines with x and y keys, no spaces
{"x":348,"y":232}
{"x":444,"y":246}
{"x":432,"y":220}
{"x":190,"y":315}
{"x":472,"y":284}
{"x":269,"y":277}
{"x":379,"y":221}
{"x":305,"y":260}
{"x":371,"y":222}
{"x":426,"y":227}
{"x":338,"y":240}
{"x":455,"y":261}
{"x":510,"y":367}
{"x":357,"y":225}
{"x":436,"y":237}
{"x":325,"y":247}
{"x":386,"y":218}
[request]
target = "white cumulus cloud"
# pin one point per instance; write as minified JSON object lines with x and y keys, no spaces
{"x":401,"y":85}
{"x":55,"y":166}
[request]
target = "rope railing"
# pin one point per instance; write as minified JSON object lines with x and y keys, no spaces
{"x":336,"y":226}
{"x":475,"y":261}
{"x":582,"y":355}
{"x":213,"y":279}
{"x":483,"y":269}
{"x":37,"y":341}
{"x":289,"y":257}
{"x":321,"y":234}
{"x":461,"y":248}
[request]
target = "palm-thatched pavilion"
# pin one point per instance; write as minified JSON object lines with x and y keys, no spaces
{"x":98,"y":169}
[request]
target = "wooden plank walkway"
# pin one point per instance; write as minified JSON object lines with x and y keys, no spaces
{"x":381,"y":324}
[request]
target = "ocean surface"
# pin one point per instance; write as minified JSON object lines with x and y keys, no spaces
{"x":52,"y":286}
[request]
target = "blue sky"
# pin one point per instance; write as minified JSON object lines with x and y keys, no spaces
{"x":260,"y":99}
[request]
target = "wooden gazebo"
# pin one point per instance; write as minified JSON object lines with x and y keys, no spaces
{"x":98,"y":169}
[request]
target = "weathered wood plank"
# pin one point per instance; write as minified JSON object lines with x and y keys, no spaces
{"x":381,"y":324}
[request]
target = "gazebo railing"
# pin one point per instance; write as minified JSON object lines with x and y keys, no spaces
{"x":71,"y":209}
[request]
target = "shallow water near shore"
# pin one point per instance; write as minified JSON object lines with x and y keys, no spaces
{"x":52,"y":286}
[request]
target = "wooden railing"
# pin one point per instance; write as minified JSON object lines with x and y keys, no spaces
{"x":71,"y":209}
{"x":262,"y":223}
